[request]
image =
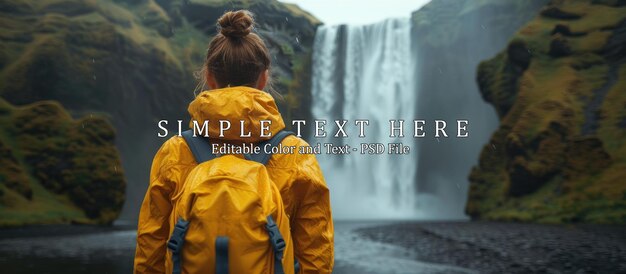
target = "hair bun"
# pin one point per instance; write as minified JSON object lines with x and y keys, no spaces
{"x":236,"y":24}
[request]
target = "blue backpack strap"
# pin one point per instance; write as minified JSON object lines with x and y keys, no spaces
{"x":278,"y":244}
{"x":296,"y":268}
{"x":263,"y":157}
{"x":221,"y":255}
{"x":199,"y":146}
{"x":175,"y":244}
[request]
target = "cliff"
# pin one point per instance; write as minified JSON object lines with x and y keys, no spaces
{"x":54,"y":169}
{"x":559,"y":153}
{"x":134,"y":61}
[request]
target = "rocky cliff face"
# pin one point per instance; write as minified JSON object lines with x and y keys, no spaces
{"x":559,"y":154}
{"x":133,"y":61}
{"x":54,"y":169}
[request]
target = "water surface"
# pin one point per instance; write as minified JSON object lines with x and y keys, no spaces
{"x":98,"y":251}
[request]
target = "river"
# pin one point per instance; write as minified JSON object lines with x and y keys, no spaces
{"x":70,"y":249}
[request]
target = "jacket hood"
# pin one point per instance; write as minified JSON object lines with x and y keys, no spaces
{"x":236,"y":104}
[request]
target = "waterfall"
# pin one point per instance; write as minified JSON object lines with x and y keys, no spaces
{"x":367,"y":72}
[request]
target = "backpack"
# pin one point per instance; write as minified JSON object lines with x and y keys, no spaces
{"x":230,"y":215}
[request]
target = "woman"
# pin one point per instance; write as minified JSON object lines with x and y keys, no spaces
{"x":236,"y":70}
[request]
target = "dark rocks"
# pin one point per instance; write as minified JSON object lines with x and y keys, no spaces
{"x":615,"y":49}
{"x":586,"y":156}
{"x":565,"y":31}
{"x":562,"y":29}
{"x":612,"y":3}
{"x":514,"y":145}
{"x":15,"y":7}
{"x":559,"y":47}
{"x":511,"y":248}
{"x":69,"y":8}
{"x":526,"y":177}
{"x":557,"y":13}
{"x":519,"y":54}
{"x":539,"y":160}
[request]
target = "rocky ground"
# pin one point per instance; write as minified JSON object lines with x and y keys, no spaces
{"x":490,"y":247}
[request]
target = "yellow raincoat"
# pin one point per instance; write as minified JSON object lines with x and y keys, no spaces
{"x":297,"y":176}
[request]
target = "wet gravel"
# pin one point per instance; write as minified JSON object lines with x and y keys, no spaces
{"x":489,"y":247}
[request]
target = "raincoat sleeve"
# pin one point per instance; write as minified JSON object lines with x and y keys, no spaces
{"x":153,"y":226}
{"x":312,"y":228}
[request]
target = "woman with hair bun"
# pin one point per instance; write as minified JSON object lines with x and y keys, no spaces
{"x":236,"y":71}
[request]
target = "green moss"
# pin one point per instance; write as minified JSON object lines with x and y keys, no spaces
{"x":56,"y":169}
{"x":13,"y":175}
{"x":44,"y":208}
{"x":297,"y":11}
{"x":554,"y":165}
{"x":286,"y":49}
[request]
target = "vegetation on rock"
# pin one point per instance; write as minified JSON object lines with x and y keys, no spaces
{"x":55,"y":169}
{"x":559,"y":154}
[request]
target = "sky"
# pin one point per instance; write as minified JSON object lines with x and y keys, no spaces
{"x":333,"y":12}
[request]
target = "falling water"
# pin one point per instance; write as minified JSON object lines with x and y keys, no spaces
{"x":366,"y":72}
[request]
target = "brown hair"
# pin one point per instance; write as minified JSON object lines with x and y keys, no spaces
{"x":236,"y":56}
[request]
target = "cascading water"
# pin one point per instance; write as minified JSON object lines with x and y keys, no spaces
{"x":366,"y":72}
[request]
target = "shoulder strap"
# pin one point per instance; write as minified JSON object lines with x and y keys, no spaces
{"x":175,"y":244}
{"x":263,"y":157}
{"x":221,"y":255}
{"x":200,"y":146}
{"x":278,"y":244}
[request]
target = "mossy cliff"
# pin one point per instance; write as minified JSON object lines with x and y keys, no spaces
{"x":559,"y":154}
{"x":134,"y":61}
{"x":54,"y":169}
